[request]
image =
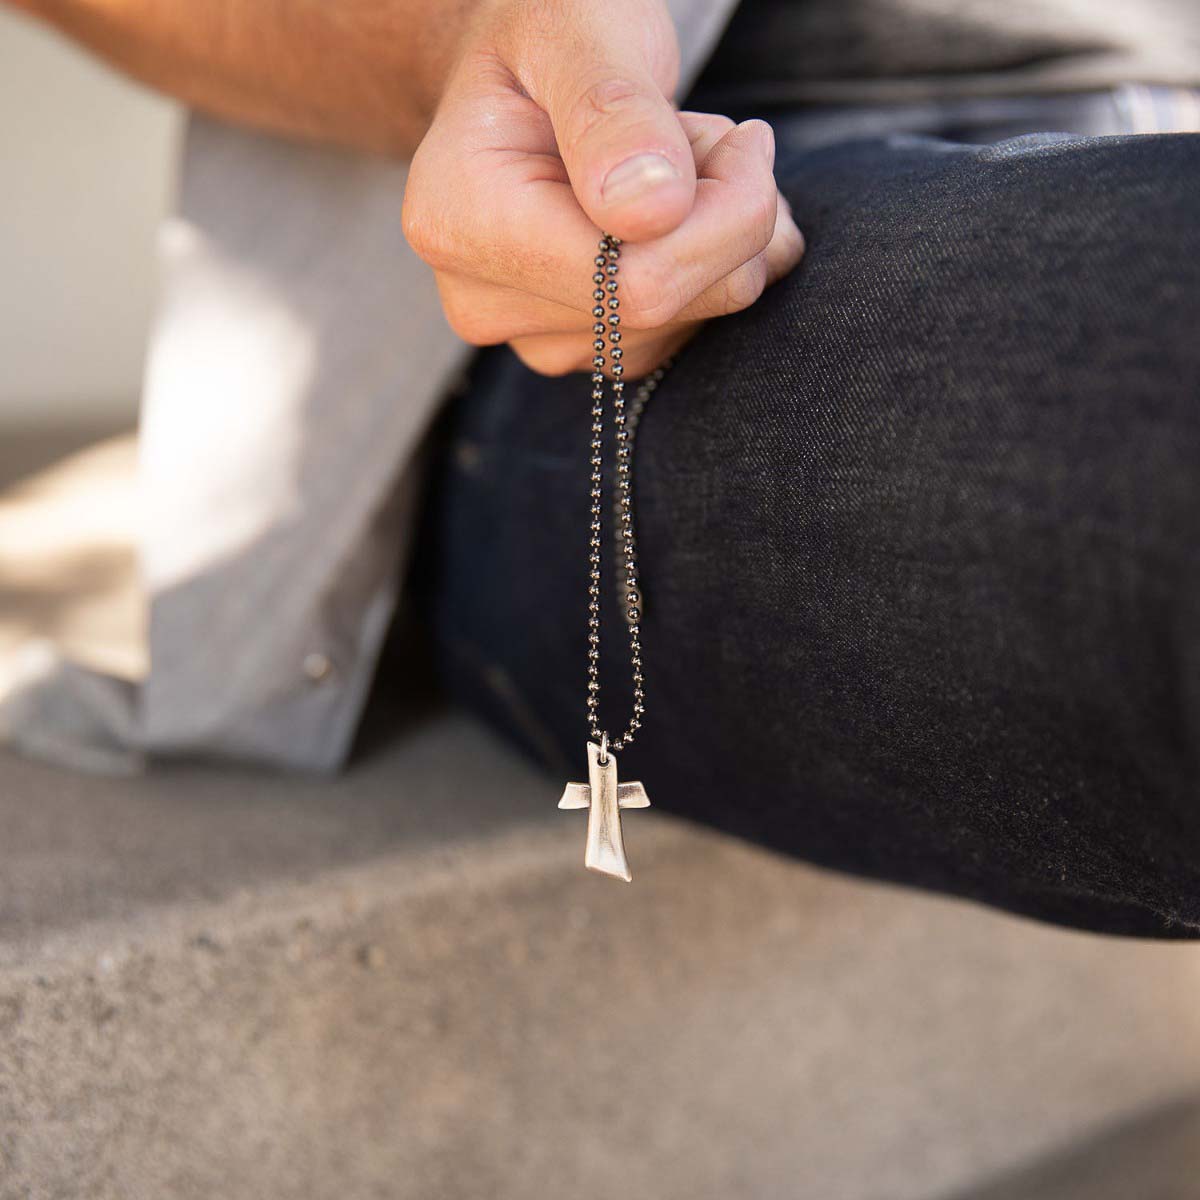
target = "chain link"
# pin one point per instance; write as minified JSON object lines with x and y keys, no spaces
{"x":608,"y":321}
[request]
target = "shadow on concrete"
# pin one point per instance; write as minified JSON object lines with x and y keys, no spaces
{"x":1156,"y":1156}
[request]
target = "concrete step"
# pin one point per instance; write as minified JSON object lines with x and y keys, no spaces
{"x":1155,"y":1156}
{"x":401,"y":983}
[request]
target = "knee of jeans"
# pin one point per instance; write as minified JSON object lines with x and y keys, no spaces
{"x":1056,"y":184}
{"x":1034,"y":239}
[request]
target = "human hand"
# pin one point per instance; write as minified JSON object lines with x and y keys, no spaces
{"x":528,"y":156}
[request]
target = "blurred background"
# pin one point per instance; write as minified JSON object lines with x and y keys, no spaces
{"x":87,"y":162}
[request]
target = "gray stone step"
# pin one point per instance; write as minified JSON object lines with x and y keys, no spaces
{"x":401,"y":983}
{"x":1155,"y":1156}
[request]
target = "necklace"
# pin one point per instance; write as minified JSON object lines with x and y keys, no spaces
{"x":604,"y":795}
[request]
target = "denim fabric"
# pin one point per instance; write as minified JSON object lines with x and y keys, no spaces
{"x":898,"y":51}
{"x":920,"y":535}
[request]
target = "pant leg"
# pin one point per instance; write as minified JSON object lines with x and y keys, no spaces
{"x":919,"y":533}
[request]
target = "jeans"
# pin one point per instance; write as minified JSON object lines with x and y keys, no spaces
{"x":919,"y":531}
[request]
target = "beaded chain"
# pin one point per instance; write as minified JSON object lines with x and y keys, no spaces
{"x":608,"y":321}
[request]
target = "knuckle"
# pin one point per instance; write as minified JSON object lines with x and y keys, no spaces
{"x":425,"y":232}
{"x":652,"y":297}
{"x":745,"y":286}
{"x":600,"y":100}
{"x":473,"y":329}
{"x":761,"y":212}
{"x":546,"y":358}
{"x":415,"y":228}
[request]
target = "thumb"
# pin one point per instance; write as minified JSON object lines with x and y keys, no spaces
{"x":628,"y":158}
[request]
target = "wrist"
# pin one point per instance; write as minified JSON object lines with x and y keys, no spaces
{"x":441,"y":45}
{"x":516,"y":33}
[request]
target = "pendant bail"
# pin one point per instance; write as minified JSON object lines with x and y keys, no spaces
{"x":603,"y":748}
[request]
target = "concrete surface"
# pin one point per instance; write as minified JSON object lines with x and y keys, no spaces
{"x":1153,"y":1157}
{"x":402,"y":983}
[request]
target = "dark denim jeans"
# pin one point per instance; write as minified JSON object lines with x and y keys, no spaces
{"x":920,"y":534}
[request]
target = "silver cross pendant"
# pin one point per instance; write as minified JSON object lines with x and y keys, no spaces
{"x":604,"y":797}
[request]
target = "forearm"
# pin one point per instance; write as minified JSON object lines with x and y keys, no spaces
{"x":363,"y":73}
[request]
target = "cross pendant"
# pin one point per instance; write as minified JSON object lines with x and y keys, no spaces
{"x":604,"y":797}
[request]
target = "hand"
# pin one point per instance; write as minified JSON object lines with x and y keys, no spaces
{"x":555,"y":123}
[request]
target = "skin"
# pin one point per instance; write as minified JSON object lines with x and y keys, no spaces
{"x":513,"y":113}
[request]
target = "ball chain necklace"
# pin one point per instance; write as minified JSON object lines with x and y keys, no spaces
{"x":603,"y":795}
